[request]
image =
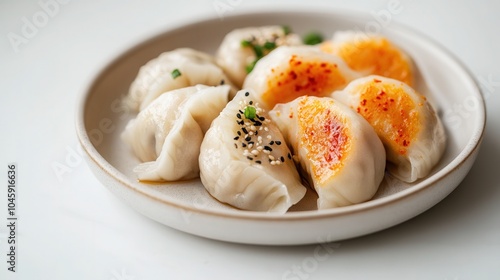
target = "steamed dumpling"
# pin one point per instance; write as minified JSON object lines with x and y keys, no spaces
{"x":289,"y":72}
{"x":338,"y":150}
{"x":371,"y":54}
{"x":238,"y":51}
{"x":245,"y":162}
{"x":167,"y":134}
{"x":410,"y":129}
{"x":173,"y":70}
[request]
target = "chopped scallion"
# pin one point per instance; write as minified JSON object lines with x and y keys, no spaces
{"x":312,"y":38}
{"x":176,"y":73}
{"x":286,"y":29}
{"x":250,"y":112}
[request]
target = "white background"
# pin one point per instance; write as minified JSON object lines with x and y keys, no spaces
{"x":71,"y":227}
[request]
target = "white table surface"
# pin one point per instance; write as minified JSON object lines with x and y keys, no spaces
{"x":71,"y":227}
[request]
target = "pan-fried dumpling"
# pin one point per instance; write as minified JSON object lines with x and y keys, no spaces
{"x":245,"y":162}
{"x":167,"y":134}
{"x":410,"y":129}
{"x":371,"y":55}
{"x":289,"y":72}
{"x":171,"y":70}
{"x":337,"y":149}
{"x":241,"y":48}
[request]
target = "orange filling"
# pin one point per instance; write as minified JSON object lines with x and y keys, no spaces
{"x":302,"y":77}
{"x":391,"y":112}
{"x":376,"y":55}
{"x":325,"y":135}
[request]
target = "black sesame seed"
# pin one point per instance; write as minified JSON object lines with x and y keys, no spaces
{"x":250,"y":158}
{"x":222,"y":82}
{"x":268,"y":148}
{"x":247,"y":93}
{"x":239,"y":133}
{"x":278,"y":142}
{"x":256,"y":132}
{"x":236,"y":145}
{"x":251,"y":142}
{"x":238,"y":115}
{"x":248,"y":138}
{"x":271,"y":143}
{"x":241,"y":122}
{"x":257,"y":123}
{"x":244,"y":130}
{"x":258,"y":161}
{"x":236,"y":138}
{"x":262,"y":118}
{"x":241,"y":112}
{"x":282,"y":159}
{"x":251,"y":102}
{"x":243,"y":145}
{"x":289,"y":156}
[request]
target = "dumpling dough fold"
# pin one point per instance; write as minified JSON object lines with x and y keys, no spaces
{"x":168,"y":133}
{"x":245,"y":162}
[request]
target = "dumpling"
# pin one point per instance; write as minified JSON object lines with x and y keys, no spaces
{"x":167,"y":134}
{"x":171,"y":70}
{"x":241,"y":48}
{"x":338,"y":150}
{"x":245,"y":162}
{"x":371,"y":54}
{"x":412,"y":133}
{"x":289,"y":72}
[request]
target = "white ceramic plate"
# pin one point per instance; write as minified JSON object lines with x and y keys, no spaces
{"x":188,"y":207}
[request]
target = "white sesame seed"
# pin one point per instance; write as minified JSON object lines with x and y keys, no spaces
{"x":266,"y":129}
{"x":260,"y":148}
{"x":250,"y":145}
{"x":259,"y":138}
{"x":266,"y":151}
{"x":269,"y":136}
{"x":271,"y":157}
{"x":255,"y":152}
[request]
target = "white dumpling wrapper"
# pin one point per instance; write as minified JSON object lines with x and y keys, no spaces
{"x":168,"y":133}
{"x":234,"y":58}
{"x":343,"y":172}
{"x":424,"y":151}
{"x":231,"y":177}
{"x":155,"y":77}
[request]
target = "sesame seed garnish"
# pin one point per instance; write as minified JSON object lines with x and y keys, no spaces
{"x":252,"y":131}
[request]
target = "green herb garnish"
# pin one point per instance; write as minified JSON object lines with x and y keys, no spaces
{"x":286,"y":29}
{"x":176,"y":73}
{"x":250,"y":66}
{"x":246,"y":43}
{"x":269,"y":45}
{"x":312,"y":38}
{"x":250,"y":112}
